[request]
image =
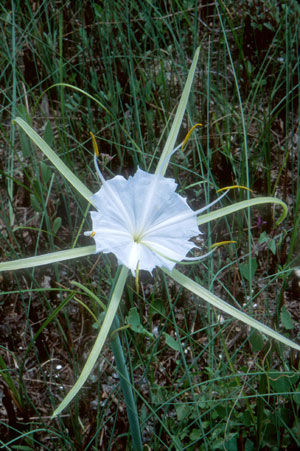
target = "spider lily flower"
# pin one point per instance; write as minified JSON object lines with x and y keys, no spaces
{"x":146,"y":224}
{"x":143,"y":221}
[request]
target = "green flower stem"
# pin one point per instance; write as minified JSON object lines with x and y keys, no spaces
{"x":127,"y":389}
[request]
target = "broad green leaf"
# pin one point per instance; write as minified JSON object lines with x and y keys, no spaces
{"x":270,"y":242}
{"x":296,"y":396}
{"x":281,"y":382}
{"x":46,"y":172}
{"x":257,"y":341}
{"x":133,"y":319}
{"x":184,"y":410}
{"x":97,"y":348}
{"x":26,"y":146}
{"x":170,"y":143}
{"x":286,"y":319}
{"x":56,"y":224}
{"x":55,"y":160}
{"x":171,"y":342}
{"x":248,"y":270}
{"x":196,"y":435}
{"x":176,"y":441}
{"x":214,"y":300}
{"x":48,"y":134}
{"x":157,"y":307}
{"x":203,"y":219}
{"x":35,"y":203}
{"x":47,"y":259}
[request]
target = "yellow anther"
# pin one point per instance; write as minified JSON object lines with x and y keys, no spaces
{"x":95,"y":147}
{"x":93,"y":234}
{"x":189,"y":134}
{"x":233,"y":187}
{"x":137,"y":271}
{"x":220,"y":243}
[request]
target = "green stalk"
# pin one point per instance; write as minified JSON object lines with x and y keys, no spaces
{"x":10,"y":182}
{"x":126,"y":386}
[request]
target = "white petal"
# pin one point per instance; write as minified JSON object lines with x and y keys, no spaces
{"x":171,"y":248}
{"x":113,"y":202}
{"x":143,"y":221}
{"x":149,"y":195}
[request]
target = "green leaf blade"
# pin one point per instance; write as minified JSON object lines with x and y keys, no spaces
{"x":97,"y":348}
{"x":212,"y":299}
{"x":170,"y":143}
{"x":203,"y":219}
{"x":47,"y":259}
{"x":55,"y":159}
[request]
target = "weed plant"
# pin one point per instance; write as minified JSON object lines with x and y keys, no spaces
{"x":203,"y":381}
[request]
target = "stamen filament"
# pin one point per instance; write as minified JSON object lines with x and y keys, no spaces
{"x":189,"y":134}
{"x":96,"y":154}
{"x":234,"y":187}
{"x":221,"y":243}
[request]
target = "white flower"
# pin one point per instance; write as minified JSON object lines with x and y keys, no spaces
{"x":143,"y":221}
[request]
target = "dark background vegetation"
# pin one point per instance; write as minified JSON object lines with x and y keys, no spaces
{"x":203,"y":381}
